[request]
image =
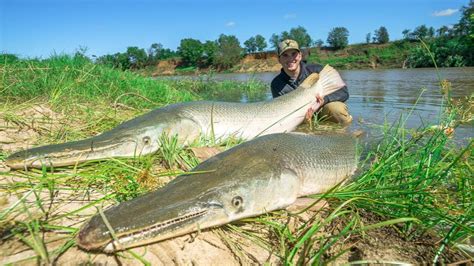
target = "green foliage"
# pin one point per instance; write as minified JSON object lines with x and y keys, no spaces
{"x":406,"y":34}
{"x":191,"y":51}
{"x":274,"y":40}
{"x":338,"y":38}
{"x":419,"y":33}
{"x":368,"y":37}
{"x":250,"y":45}
{"x":137,"y":57}
{"x":260,"y":42}
{"x":443,"y":31}
{"x":156,"y":52}
{"x":299,"y":34}
{"x":318,"y":43}
{"x":381,"y":35}
{"x":8,"y":58}
{"x":465,"y":27}
{"x":228,"y":52}
{"x":209,"y":52}
{"x":255,"y":44}
{"x":446,"y":53}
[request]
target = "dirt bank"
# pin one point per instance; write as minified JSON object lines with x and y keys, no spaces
{"x":364,"y":56}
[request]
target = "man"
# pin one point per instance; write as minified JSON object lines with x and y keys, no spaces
{"x":294,"y":72}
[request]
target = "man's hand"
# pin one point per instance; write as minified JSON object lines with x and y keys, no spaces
{"x":309,"y":114}
{"x":311,"y":110}
{"x":319,"y":99}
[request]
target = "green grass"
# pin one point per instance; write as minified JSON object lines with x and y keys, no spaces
{"x":415,"y":181}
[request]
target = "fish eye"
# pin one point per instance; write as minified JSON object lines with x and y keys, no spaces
{"x":146,"y":140}
{"x":237,"y":201}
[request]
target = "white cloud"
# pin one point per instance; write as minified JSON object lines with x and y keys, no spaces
{"x":230,"y":24}
{"x":445,"y":13}
{"x":289,"y":16}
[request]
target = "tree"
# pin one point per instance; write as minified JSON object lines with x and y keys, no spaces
{"x":274,"y":41}
{"x":285,"y":35}
{"x":367,"y":38}
{"x":318,"y":43}
{"x":430,"y":33}
{"x":406,"y":34}
{"x":338,"y":38}
{"x":209,"y":52}
{"x":255,"y":44}
{"x":381,"y":35}
{"x":251,"y":45}
{"x":260,"y":42}
{"x":443,"y":31}
{"x":228,"y":51}
{"x":154,"y":51}
{"x":465,"y":27}
{"x":136,"y":57}
{"x":191,"y":51}
{"x":420,"y":32}
{"x":300,"y":35}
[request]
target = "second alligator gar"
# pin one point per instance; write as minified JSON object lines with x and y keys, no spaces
{"x":258,"y":176}
{"x":189,"y":120}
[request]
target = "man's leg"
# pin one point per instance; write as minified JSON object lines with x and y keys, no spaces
{"x":336,"y":112}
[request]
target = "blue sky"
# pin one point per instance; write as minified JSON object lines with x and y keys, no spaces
{"x":38,"y":28}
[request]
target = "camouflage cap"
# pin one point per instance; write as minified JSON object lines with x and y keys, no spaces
{"x":287,"y":45}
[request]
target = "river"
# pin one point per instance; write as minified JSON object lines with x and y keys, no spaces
{"x":378,"y":96}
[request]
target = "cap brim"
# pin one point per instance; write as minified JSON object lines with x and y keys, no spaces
{"x":289,"y":48}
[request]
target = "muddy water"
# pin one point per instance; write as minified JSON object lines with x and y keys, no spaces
{"x":384,"y":95}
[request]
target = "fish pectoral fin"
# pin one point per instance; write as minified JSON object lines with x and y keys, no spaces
{"x":304,"y":204}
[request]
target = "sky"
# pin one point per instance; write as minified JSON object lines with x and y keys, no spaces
{"x":36,"y":28}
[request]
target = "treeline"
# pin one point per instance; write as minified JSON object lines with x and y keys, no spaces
{"x":448,"y":46}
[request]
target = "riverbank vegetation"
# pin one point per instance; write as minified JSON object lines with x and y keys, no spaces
{"x":413,"y":189}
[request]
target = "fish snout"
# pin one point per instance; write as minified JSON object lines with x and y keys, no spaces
{"x":20,"y":160}
{"x":91,"y":237}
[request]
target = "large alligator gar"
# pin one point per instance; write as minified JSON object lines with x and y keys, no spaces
{"x":141,"y":135}
{"x":258,"y":176}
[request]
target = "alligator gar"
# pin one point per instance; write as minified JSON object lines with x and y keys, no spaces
{"x":188,"y":121}
{"x":258,"y":176}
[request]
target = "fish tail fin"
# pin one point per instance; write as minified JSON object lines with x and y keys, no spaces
{"x":329,"y":81}
{"x":310,"y":81}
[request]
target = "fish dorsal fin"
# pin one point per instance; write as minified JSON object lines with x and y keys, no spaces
{"x":310,"y":81}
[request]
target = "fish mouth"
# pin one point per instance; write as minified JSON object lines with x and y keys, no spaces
{"x":136,"y":238}
{"x":98,"y":236}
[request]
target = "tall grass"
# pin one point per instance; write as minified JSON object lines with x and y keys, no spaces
{"x":64,"y":79}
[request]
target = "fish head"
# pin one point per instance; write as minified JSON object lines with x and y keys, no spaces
{"x":190,"y":203}
{"x":123,"y":143}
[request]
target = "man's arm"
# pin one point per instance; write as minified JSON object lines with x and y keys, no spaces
{"x":340,"y":95}
{"x":274,"y":89}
